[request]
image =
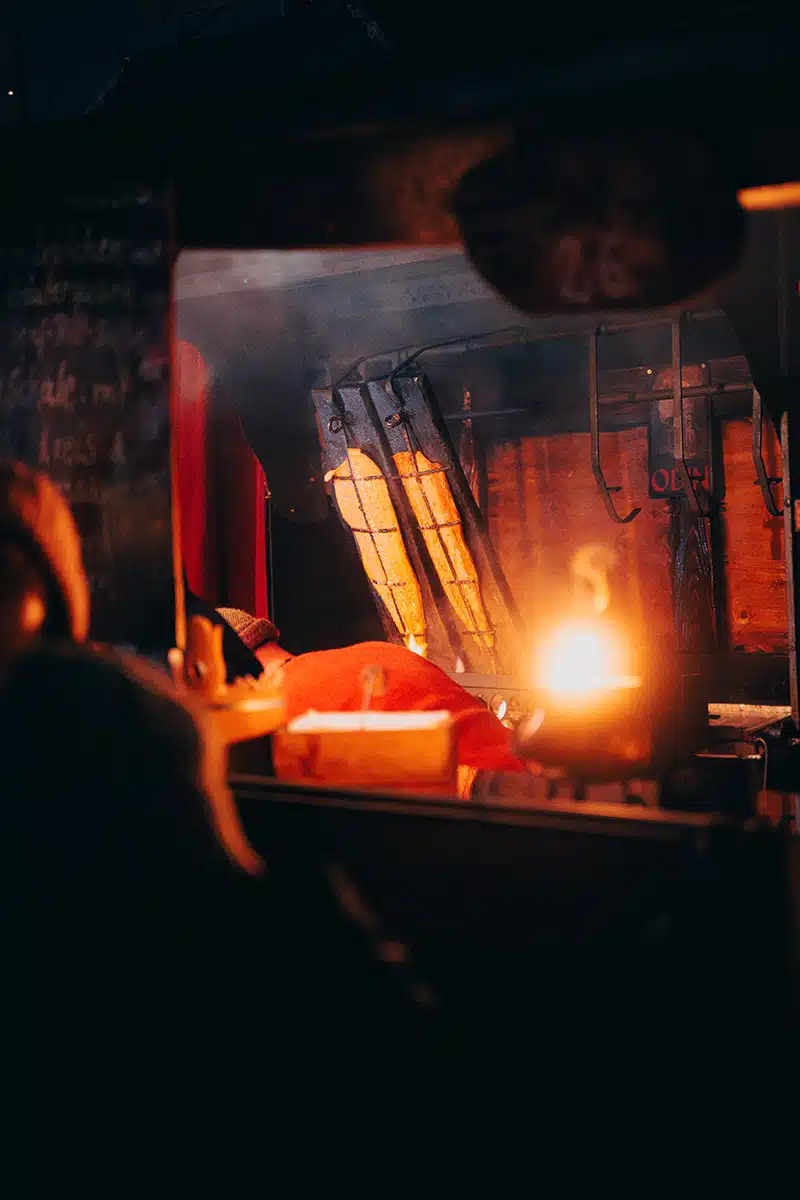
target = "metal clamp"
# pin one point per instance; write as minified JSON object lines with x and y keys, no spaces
{"x":677,"y":420}
{"x":764,"y":481}
{"x":594,"y":425}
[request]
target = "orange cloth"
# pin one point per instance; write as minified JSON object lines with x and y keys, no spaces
{"x":330,"y":681}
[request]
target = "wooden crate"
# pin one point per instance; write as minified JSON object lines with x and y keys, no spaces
{"x":412,"y":751}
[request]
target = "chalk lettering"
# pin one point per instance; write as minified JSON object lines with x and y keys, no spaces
{"x":87,"y":301}
{"x":105,"y":395}
{"x":58,"y":392}
{"x":75,"y":452}
{"x":83,"y":489}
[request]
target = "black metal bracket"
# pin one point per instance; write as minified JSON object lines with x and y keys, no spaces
{"x":411,"y":418}
{"x":677,"y":414}
{"x":594,"y":425}
{"x":764,"y":481}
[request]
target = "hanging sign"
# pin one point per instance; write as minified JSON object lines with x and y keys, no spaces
{"x":663,"y":473}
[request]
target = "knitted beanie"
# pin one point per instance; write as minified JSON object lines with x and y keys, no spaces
{"x":254,"y":631}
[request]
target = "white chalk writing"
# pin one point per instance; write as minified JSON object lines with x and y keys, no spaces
{"x":592,"y":272}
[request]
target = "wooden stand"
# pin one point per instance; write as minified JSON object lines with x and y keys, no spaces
{"x":395,"y":752}
{"x":249,"y":708}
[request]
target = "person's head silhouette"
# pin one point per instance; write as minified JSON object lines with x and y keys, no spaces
{"x":43,"y":585}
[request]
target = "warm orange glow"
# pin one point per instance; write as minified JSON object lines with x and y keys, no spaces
{"x":582,"y":659}
{"x":773,"y":196}
{"x":415,"y":646}
{"x":434,"y":507}
{"x":362,"y":495}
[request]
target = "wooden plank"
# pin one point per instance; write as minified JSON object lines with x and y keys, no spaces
{"x":399,"y":751}
{"x":544,"y":505}
{"x":753,"y":541}
{"x":665,"y":479}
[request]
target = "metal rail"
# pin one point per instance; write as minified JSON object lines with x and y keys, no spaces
{"x":594,"y":422}
{"x":764,"y":481}
{"x":677,"y":414}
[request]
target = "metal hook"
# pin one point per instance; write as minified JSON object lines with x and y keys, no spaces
{"x":594,"y":426}
{"x":677,"y":421}
{"x":763,"y":480}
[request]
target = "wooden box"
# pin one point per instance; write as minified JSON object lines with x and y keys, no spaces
{"x":390,"y":751}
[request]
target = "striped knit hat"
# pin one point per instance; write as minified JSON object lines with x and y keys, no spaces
{"x":254,"y":631}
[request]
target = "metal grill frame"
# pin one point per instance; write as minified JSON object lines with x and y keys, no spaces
{"x":369,"y":417}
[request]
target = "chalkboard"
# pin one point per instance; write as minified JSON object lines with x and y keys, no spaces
{"x":85,"y":389}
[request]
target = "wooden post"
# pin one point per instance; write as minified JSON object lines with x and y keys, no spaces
{"x":790,"y":467}
{"x":788,"y":329}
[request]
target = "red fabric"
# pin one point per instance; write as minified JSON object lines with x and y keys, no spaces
{"x":241,"y":524}
{"x":221,"y":495}
{"x":330,"y":681}
{"x":191,"y":435}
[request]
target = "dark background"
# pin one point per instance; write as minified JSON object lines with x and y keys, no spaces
{"x":61,"y":58}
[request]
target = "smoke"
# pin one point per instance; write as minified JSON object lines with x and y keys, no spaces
{"x":272,"y":325}
{"x":589,"y":568}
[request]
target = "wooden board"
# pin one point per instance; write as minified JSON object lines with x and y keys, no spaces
{"x":544,"y":504}
{"x":84,"y":390}
{"x":664,"y":476}
{"x":753,"y":540}
{"x":407,"y":752}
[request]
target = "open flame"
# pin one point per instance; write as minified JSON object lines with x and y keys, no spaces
{"x":416,"y":647}
{"x":587,"y":655}
{"x":583,"y":658}
{"x":460,"y":668}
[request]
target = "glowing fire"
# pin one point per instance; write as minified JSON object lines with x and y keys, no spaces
{"x":583,"y":658}
{"x":415,"y":646}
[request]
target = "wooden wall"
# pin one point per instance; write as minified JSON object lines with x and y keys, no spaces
{"x":754,"y":561}
{"x":543,"y":504}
